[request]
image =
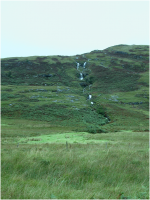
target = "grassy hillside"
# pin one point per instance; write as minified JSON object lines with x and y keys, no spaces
{"x":49,"y":89}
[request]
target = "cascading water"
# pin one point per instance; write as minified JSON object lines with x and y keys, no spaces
{"x":78,"y":66}
{"x":90,"y":96}
{"x":84,"y":65}
{"x":81,"y":76}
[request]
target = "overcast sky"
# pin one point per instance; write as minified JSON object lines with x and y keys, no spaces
{"x":40,"y":28}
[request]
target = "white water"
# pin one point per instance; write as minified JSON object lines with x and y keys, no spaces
{"x":90,"y":96}
{"x":78,"y":64}
{"x":84,"y":64}
{"x":81,"y":76}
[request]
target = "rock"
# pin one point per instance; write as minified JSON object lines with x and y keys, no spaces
{"x":59,"y":90}
{"x":70,"y":96}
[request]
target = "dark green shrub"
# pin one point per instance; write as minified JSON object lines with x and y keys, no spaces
{"x":101,"y":110}
{"x":91,"y":129}
{"x":9,"y":74}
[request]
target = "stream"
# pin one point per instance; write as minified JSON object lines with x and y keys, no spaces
{"x":81,"y":69}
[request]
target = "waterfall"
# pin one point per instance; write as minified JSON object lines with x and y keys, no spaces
{"x":78,"y":66}
{"x":90,"y":96}
{"x":81,"y":76}
{"x":84,"y":65}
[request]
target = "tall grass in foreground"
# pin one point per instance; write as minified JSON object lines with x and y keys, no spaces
{"x":87,"y":171}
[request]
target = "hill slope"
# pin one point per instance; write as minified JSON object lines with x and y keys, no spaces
{"x":57,"y":88}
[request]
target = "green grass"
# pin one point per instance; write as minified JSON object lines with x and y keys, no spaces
{"x":46,"y":168}
{"x":63,"y":138}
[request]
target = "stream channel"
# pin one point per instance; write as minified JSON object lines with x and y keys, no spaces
{"x":81,"y":70}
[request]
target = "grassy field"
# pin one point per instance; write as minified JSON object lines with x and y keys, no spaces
{"x":37,"y":163}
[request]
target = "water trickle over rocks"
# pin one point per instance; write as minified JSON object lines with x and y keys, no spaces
{"x":78,"y":66}
{"x":81,"y":76}
{"x":81,"y":71}
{"x":90,"y":96}
{"x":84,"y":65}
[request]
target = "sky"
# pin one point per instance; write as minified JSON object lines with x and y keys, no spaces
{"x":44,"y":28}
